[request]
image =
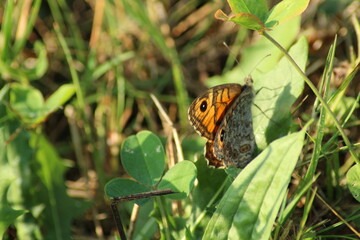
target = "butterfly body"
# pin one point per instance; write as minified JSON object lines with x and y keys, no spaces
{"x":222,"y":115}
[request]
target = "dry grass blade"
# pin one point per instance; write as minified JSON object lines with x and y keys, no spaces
{"x":167,"y":120}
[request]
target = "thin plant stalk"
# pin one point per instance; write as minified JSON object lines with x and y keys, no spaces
{"x":317,"y":94}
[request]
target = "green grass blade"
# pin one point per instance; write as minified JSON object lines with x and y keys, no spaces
{"x":20,"y":43}
{"x":307,"y":208}
{"x":308,"y":179}
{"x":138,"y":11}
{"x":6,"y":28}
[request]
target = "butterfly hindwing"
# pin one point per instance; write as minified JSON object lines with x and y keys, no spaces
{"x":222,"y":115}
{"x":234,"y":141}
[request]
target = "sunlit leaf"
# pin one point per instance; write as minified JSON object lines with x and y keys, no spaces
{"x":179,"y":178}
{"x":249,"y":20}
{"x":27,"y":102}
{"x":59,"y":97}
{"x":285,"y":10}
{"x":143,"y":157}
{"x":257,"y":8}
{"x":250,"y":205}
{"x":353,"y":181}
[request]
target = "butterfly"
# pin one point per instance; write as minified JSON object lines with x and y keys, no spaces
{"x":222,"y":115}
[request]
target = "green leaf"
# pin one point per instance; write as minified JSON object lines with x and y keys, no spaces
{"x":27,"y":102}
{"x":248,"y":20}
{"x":256,"y":56}
{"x":254,"y":14}
{"x":60,"y":97}
{"x":3,"y":92}
{"x":7,"y":214}
{"x":246,"y":13}
{"x":60,"y":208}
{"x":353,"y":181}
{"x":120,"y":187}
{"x":192,"y":146}
{"x":41,"y":63}
{"x":179,"y":178}
{"x":285,"y":10}
{"x":26,"y":185}
{"x":39,"y":186}
{"x":143,"y":157}
{"x":258,"y":8}
{"x":34,"y":68}
{"x":277,"y":90}
{"x":249,"y":207}
{"x":209,"y":181}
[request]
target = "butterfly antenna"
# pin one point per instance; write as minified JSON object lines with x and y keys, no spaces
{"x":230,"y":52}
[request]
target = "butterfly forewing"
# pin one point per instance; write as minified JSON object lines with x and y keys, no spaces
{"x":208,"y":110}
{"x":222,"y":115}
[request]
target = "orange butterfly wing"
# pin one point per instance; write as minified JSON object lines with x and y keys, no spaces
{"x":208,"y":110}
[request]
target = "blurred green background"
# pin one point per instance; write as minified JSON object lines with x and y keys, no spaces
{"x":76,"y":78}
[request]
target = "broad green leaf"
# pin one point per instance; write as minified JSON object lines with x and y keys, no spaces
{"x":261,"y":55}
{"x":60,"y":97}
{"x":179,"y":178}
{"x":143,"y":157}
{"x":24,"y":190}
{"x":276,"y":91}
{"x":254,"y":14}
{"x":27,"y":102}
{"x":285,"y":10}
{"x":250,"y":205}
{"x":258,"y":8}
{"x":25,"y":99}
{"x":38,"y":187}
{"x":248,"y":20}
{"x":120,"y":187}
{"x":60,"y":208}
{"x":353,"y":181}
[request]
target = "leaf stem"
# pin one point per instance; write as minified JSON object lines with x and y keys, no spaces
{"x":317,"y":94}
